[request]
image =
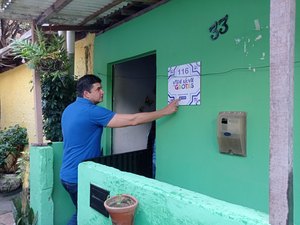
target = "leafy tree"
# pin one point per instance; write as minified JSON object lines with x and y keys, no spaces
{"x":49,"y":57}
{"x":11,"y":30}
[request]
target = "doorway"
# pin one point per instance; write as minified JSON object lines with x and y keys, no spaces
{"x":134,"y":90}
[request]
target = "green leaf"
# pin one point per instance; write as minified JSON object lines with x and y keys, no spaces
{"x":49,"y":57}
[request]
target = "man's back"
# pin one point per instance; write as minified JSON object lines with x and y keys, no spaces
{"x":82,"y":126}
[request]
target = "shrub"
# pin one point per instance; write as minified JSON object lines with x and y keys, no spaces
{"x":24,"y":214}
{"x":12,"y":142}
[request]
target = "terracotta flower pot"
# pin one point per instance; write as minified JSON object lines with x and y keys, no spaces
{"x":121,"y":209}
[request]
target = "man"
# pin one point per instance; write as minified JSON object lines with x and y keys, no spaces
{"x":82,"y":127}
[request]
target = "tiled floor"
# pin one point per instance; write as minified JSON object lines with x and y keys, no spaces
{"x":6,"y":209}
{"x":7,"y":219}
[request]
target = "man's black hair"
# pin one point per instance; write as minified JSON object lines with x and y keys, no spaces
{"x":85,"y":83}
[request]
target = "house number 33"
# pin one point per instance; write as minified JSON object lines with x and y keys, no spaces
{"x":219,"y":27}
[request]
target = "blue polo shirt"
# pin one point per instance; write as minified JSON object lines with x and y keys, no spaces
{"x":82,"y":126}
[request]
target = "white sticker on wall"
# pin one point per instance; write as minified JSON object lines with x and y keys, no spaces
{"x":184,"y":83}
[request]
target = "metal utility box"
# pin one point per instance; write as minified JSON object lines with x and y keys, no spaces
{"x":232,"y":133}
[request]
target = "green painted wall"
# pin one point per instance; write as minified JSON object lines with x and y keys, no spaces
{"x":173,"y":205}
{"x":235,"y":77}
{"x":41,"y":184}
{"x":48,"y":197}
{"x":159,"y":203}
{"x":297,"y":119}
{"x":63,"y":206}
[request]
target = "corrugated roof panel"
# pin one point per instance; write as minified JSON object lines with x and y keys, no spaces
{"x":78,"y":15}
{"x":112,"y":10}
{"x":82,"y":11}
{"x":71,"y":13}
{"x":108,"y":12}
{"x":27,"y":9}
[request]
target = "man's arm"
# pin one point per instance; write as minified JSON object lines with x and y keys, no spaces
{"x":124,"y":120}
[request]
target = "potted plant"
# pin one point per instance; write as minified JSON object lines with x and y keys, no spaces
{"x":12,"y":143}
{"x":121,"y":209}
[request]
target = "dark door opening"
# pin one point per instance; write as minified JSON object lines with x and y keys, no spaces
{"x":134,"y":90}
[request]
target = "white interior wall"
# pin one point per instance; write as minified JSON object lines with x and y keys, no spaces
{"x":133,"y":82}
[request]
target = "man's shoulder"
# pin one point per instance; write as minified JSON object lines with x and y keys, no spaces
{"x":72,"y":108}
{"x":71,"y":105}
{"x":101,"y":109}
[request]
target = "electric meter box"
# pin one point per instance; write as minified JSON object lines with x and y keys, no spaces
{"x":232,"y":133}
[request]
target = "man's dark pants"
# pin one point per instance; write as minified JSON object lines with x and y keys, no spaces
{"x":72,"y":189}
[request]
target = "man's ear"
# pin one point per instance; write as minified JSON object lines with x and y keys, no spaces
{"x":86,"y":94}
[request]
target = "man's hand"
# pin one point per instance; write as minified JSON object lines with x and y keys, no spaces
{"x":171,"y":108}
